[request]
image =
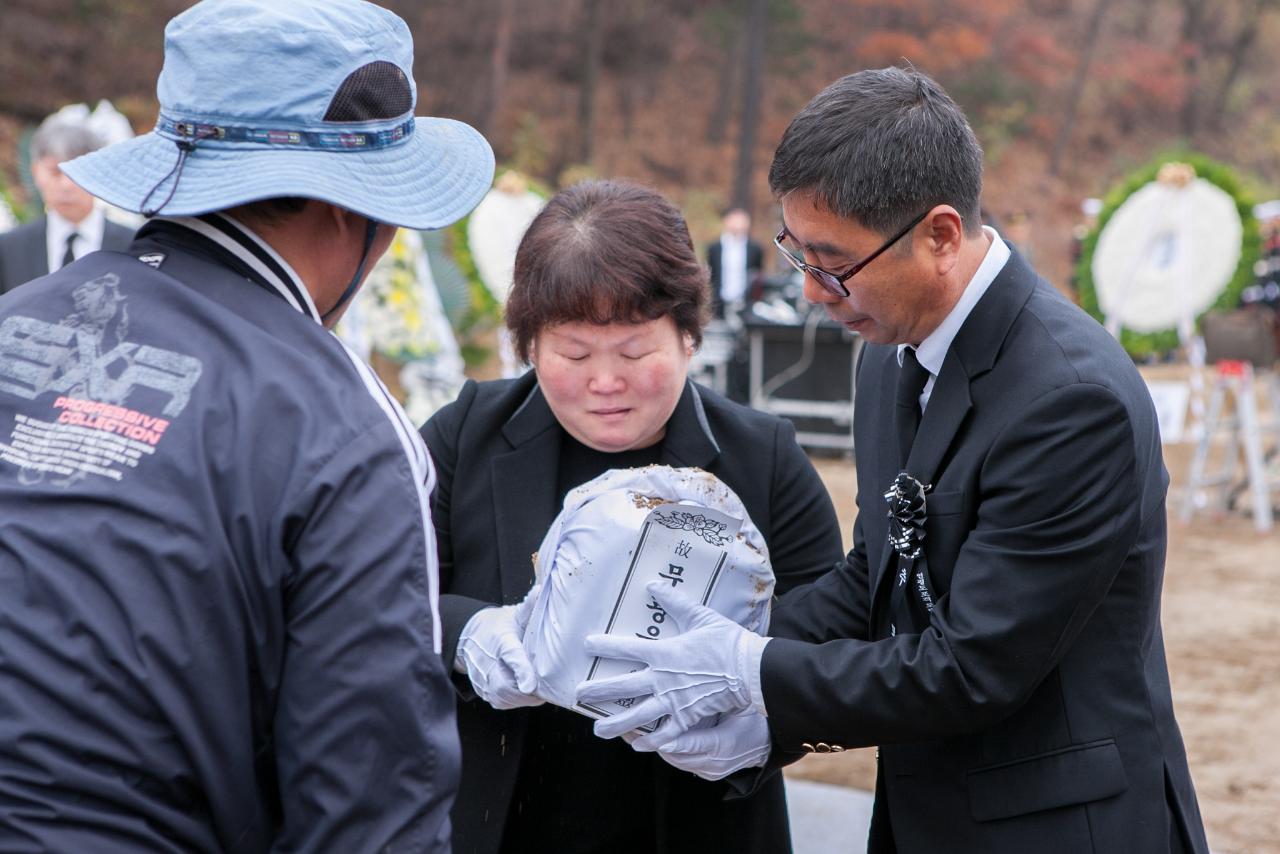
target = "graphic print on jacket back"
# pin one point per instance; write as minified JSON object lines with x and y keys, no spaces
{"x":110,"y":399}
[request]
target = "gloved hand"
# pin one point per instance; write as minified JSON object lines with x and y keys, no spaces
{"x":736,"y":742}
{"x":711,"y":667}
{"x":494,"y":658}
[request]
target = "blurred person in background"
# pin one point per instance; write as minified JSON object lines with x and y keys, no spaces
{"x":608,"y":304}
{"x":73,"y":224}
{"x":735,"y":261}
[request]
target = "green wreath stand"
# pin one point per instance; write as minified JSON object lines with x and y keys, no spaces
{"x":1141,"y":345}
{"x":483,"y":313}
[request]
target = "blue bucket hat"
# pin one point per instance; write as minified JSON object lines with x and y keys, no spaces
{"x":312,"y":98}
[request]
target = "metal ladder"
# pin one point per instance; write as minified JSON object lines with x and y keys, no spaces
{"x":1233,"y":409}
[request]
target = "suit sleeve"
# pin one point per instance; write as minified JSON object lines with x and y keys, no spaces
{"x":365,"y":736}
{"x":835,"y":605}
{"x":713,"y":267}
{"x":805,"y":539}
{"x":441,"y":434}
{"x":10,"y":249}
{"x":1059,"y":510}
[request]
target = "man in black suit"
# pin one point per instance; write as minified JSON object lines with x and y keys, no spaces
{"x":734,"y":262}
{"x":73,"y":224}
{"x":996,"y":627}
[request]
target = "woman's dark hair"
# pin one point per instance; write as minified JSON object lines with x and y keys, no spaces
{"x":606,"y":252}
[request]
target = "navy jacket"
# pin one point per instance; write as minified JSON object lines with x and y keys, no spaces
{"x":218,"y":619}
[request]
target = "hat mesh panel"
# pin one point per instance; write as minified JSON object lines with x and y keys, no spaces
{"x":378,"y":90}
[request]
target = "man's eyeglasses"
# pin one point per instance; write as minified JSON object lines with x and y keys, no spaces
{"x":830,"y":282}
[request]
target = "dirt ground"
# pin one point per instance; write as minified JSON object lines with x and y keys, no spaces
{"x":1221,"y":619}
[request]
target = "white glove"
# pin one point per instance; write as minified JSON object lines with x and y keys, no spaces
{"x":492,"y":655}
{"x":736,"y":742}
{"x":711,"y":667}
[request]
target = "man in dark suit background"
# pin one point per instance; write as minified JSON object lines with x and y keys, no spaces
{"x":73,"y":225}
{"x":734,"y":261}
{"x":996,"y":627}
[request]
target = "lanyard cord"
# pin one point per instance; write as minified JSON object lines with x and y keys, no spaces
{"x":185,"y":147}
{"x":370,"y":232}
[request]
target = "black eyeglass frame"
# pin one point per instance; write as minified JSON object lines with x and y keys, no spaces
{"x":830,"y":282}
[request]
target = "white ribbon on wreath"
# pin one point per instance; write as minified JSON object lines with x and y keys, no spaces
{"x":1163,"y":259}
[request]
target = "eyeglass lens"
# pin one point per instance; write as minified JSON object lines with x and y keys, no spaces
{"x":823,"y":278}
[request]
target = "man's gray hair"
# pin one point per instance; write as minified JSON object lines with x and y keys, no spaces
{"x":881,"y":147}
{"x":63,"y":138}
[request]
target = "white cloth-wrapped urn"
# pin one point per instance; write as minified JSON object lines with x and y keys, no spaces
{"x":615,"y":535}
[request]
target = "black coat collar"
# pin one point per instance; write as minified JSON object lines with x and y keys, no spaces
{"x":689,"y":440}
{"x":524,"y":514}
{"x":972,"y":354}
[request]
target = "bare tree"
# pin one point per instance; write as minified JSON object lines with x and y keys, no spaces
{"x":1193,"y":23}
{"x":721,"y":112}
{"x":592,"y":51}
{"x":753,"y":59}
{"x":1238,"y":53}
{"x":499,"y":60}
{"x":1092,"y":32}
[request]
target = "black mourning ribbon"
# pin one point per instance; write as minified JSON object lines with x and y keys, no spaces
{"x":911,"y":600}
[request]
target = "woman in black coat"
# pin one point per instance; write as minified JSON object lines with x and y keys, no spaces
{"x":607,"y":304}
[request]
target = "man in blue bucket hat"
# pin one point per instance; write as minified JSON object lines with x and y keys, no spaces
{"x":218,"y":584}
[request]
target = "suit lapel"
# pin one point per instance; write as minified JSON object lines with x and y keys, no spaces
{"x":524,"y":513}
{"x":885,"y":467}
{"x":949,"y":403}
{"x":689,"y":440}
{"x":972,"y":354}
{"x":35,"y":260}
{"x":524,"y":491}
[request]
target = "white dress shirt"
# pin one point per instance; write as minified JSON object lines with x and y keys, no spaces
{"x":733,"y":268}
{"x":933,"y":349}
{"x":58,"y":229}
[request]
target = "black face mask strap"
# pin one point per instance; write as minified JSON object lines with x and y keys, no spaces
{"x":370,"y":232}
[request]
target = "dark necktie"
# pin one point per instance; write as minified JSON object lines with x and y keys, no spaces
{"x":912,"y":377}
{"x":911,"y":600}
{"x":69,"y":255}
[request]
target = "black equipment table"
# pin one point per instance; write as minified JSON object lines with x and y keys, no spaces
{"x":805,"y":372}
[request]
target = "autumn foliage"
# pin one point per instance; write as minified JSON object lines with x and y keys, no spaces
{"x":1065,"y":95}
